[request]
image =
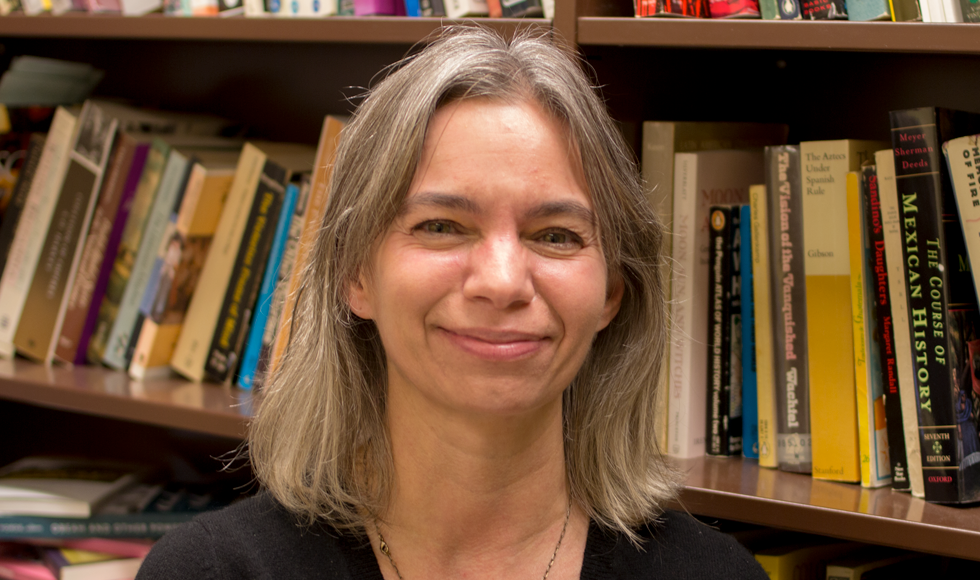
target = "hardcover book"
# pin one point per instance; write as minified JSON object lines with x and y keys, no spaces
{"x":701,"y":179}
{"x":909,"y":419}
{"x":868,"y":347}
{"x":881,"y":335}
{"x":47,"y":300}
{"x":750,"y":409}
{"x":763,"y":329}
{"x":25,"y":251}
{"x":96,"y":250}
{"x":179,"y":258}
{"x":18,"y":197}
{"x":788,"y":312}
{"x":942,"y":302}
{"x":833,"y":402}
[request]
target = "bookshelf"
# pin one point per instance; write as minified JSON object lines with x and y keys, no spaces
{"x":281,"y":76}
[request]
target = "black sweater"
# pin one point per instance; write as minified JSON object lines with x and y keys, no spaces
{"x":258,"y":539}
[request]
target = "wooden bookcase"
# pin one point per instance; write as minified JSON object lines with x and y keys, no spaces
{"x":281,"y":76}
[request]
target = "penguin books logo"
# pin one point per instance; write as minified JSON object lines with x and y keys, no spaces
{"x":717,"y":220}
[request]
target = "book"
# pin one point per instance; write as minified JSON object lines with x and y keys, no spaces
{"x":201,"y":322}
{"x":763,"y":328}
{"x":379,"y":8}
{"x":75,"y":564}
{"x":780,"y":9}
{"x":47,"y":300}
{"x":51,"y":486}
{"x":868,"y":344}
{"x":750,"y":407}
{"x":20,"y":561}
{"x":962,"y":156}
{"x":830,"y":362}
{"x":684,"y":8}
{"x":243,"y":288}
{"x":962,"y":11}
{"x":942,"y":302}
{"x":807,"y":559}
{"x":179,"y":258}
{"x":877,"y":282}
{"x":904,"y":375}
{"x":905,"y":10}
{"x":430,"y":8}
{"x":702,"y":179}
{"x":280,"y":263}
{"x":129,"y":244}
{"x":25,"y":251}
{"x":787,"y":288}
{"x":18,"y":197}
{"x":96,"y":249}
{"x":515,"y":8}
{"x":823,"y":9}
{"x":720,"y":435}
{"x":734,"y":8}
{"x":465,"y":8}
{"x":860,"y":564}
{"x":868,"y":10}
{"x":316,"y":206}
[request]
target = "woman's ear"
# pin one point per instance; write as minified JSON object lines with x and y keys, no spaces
{"x":614,"y":299}
{"x":359,"y":298}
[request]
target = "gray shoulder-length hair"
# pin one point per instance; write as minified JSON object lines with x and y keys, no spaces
{"x":319,"y":442}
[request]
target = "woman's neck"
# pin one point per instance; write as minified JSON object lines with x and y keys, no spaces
{"x":478,"y":496}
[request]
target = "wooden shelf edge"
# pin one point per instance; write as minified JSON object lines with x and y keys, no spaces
{"x":885,"y":37}
{"x":740,"y":490}
{"x":385,"y":30}
{"x":201,"y":408}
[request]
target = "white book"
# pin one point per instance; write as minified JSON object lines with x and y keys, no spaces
{"x":51,"y":486}
{"x":890,"y":216}
{"x":952,"y":12}
{"x":139,"y":7}
{"x":33,"y":227}
{"x":702,"y":179}
{"x":466,"y":8}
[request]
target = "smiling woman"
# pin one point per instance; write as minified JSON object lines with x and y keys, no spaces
{"x":470,"y":387}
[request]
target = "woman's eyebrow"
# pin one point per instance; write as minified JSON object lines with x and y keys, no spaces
{"x":555,"y":208}
{"x":444,"y":200}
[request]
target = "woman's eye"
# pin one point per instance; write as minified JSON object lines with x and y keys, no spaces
{"x":555,"y":238}
{"x":560,"y":238}
{"x":436,"y":227}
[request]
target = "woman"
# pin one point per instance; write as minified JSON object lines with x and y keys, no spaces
{"x":470,"y":387}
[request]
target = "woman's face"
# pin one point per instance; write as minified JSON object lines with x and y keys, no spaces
{"x":490,"y":285}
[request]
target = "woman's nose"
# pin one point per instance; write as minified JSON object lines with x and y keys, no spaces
{"x":500,"y":272}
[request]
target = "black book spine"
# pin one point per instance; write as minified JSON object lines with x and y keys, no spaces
{"x":734,"y":416}
{"x":11,"y":216}
{"x":521,"y":8}
{"x":943,"y":317}
{"x":719,"y":327}
{"x":784,"y":190}
{"x":882,"y":330}
{"x":236,"y":310}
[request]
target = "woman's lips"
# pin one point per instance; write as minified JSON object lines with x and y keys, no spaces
{"x":495,"y":345}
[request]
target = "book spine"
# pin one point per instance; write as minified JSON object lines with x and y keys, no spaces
{"x":686,"y":404}
{"x":148,"y":525}
{"x":413,"y":8}
{"x":780,"y":9}
{"x":750,"y":406}
{"x":763,"y":328}
{"x":128,"y":247}
{"x":868,"y":378}
{"x":879,"y":298}
{"x":239,"y":300}
{"x":47,"y":300}
{"x":33,"y":228}
{"x":823,"y":9}
{"x":868,"y":10}
{"x":521,"y":8}
{"x":885,"y":164}
{"x":465,"y":8}
{"x":494,"y":9}
{"x":905,"y":10}
{"x":734,"y":341}
{"x":788,"y":308}
{"x":942,"y":305}
{"x":719,"y":331}
{"x":970,"y":11}
{"x":270,"y":279}
{"x":93,"y":253}
{"x":111,"y":251}
{"x":170,"y":191}
{"x":734,"y":8}
{"x":18,"y":198}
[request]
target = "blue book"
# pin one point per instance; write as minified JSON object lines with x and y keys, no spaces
{"x":250,"y":358}
{"x":413,"y":8}
{"x":750,"y":405}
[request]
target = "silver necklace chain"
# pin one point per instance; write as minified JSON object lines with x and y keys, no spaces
{"x":386,"y":550}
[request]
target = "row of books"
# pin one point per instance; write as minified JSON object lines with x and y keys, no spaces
{"x":111,"y":227}
{"x":291,"y":8}
{"x":829,"y":325}
{"x":855,"y":10}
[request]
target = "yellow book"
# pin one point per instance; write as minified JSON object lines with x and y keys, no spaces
{"x":765,"y":383}
{"x":806,"y":560}
{"x":833,"y":408}
{"x":868,"y":380}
